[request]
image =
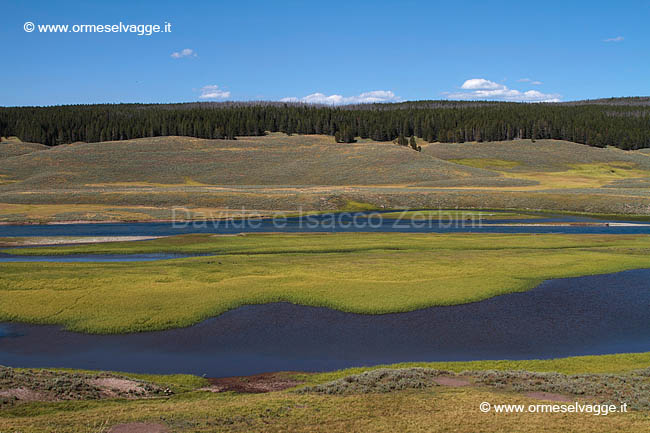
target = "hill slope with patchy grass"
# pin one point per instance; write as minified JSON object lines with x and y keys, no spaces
{"x":143,"y":179}
{"x":272,"y":160}
{"x":12,"y":146}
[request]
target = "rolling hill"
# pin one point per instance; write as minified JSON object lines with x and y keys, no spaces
{"x":143,"y":179}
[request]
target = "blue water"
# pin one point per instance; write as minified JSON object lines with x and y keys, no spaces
{"x":344,"y":222}
{"x":4,"y":258}
{"x":565,"y":317}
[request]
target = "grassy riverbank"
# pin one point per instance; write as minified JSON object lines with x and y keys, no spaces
{"x":359,"y":272}
{"x":191,"y":407}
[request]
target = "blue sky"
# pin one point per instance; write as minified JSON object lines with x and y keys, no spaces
{"x":333,"y":52}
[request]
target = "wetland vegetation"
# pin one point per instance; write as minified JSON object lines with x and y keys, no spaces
{"x":354,"y":272}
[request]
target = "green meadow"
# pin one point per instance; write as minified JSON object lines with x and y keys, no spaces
{"x":368,"y":273}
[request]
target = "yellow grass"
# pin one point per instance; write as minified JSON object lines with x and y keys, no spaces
{"x":581,"y":176}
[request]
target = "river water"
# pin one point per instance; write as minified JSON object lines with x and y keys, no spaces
{"x":564,"y":317}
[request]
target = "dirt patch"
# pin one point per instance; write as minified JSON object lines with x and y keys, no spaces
{"x":451,"y":381}
{"x":259,"y":383}
{"x":139,"y":427}
{"x":115,"y":387}
{"x":550,"y":396}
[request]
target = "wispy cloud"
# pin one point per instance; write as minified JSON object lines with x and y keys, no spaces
{"x":212,"y":91}
{"x":531,"y":81}
{"x":616,"y":39}
{"x":483,"y":89}
{"x":187,"y":52}
{"x":363,"y":98}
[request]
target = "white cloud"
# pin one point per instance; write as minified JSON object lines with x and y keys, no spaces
{"x":616,"y":39}
{"x":187,"y":52}
{"x":482,"y":89}
{"x":480,"y":83}
{"x":213,"y":91}
{"x":363,"y":98}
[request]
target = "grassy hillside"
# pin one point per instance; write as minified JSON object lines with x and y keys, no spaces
{"x":143,"y":179}
{"x":361,"y":273}
{"x":12,"y":146}
{"x":276,"y":160}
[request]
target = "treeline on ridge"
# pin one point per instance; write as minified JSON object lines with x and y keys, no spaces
{"x":621,"y":125}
